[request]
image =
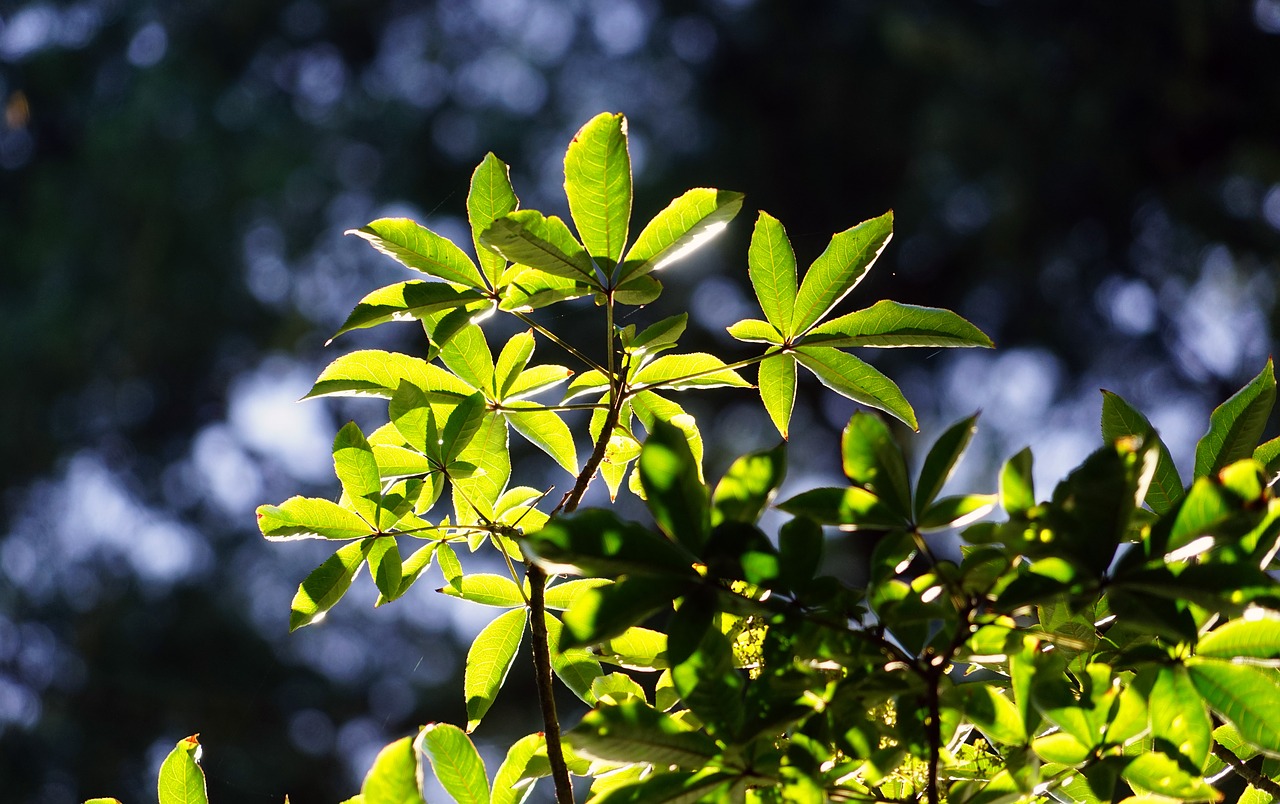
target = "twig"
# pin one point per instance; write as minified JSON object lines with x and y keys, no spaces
{"x":1245,"y":772}
{"x":545,"y":683}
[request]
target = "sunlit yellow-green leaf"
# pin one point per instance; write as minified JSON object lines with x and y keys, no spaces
{"x":489,"y":660}
{"x":455,"y":761}
{"x":181,"y":779}
{"x":421,"y":249}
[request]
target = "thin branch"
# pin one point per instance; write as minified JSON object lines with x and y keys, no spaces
{"x":546,"y":683}
{"x":558,"y":341}
{"x":1245,"y":772}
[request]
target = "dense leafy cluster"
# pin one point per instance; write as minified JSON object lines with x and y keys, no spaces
{"x":1116,"y":640}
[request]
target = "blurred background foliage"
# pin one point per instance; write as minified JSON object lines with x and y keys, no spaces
{"x":1096,"y":184}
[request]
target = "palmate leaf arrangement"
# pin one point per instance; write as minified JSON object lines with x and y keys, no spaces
{"x":1116,"y":642}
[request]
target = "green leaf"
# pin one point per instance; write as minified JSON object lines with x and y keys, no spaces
{"x":800,"y":544}
{"x":450,"y":567}
{"x":771,"y":264}
{"x":607,"y":612}
{"x":489,"y":660}
{"x":406,"y":301}
{"x":838,"y":270}
{"x":777,"y":381}
{"x":1268,"y":455}
{"x":852,"y":508}
{"x":546,"y":431}
{"x":941,"y":461}
{"x":491,"y":196}
{"x":597,"y":181}
{"x":1017,"y":492}
{"x":636,"y":649}
{"x":684,"y":226}
{"x":357,"y":471}
{"x":507,"y":783}
{"x":326,"y":584}
{"x":637,"y":291}
{"x":890,"y":324}
{"x":993,"y":713}
{"x":673,"y":491}
{"x":1246,"y":696}
{"x":486,"y":589}
{"x":181,"y":780}
{"x":310,"y":518}
{"x":535,"y":380}
{"x":488,"y":451}
{"x":636,"y":732}
{"x":576,"y":667}
{"x":1061,"y":748}
{"x":544,"y":243}
{"x":1236,"y":425}
{"x":467,"y":355}
{"x":384,"y":565}
{"x":753,"y":330}
{"x":1178,"y":714}
{"x":873,"y":461}
{"x":462,"y":427}
{"x":675,"y":787}
{"x":708,"y":682}
{"x":1162,"y":775}
{"x":693,"y":370}
{"x":511,"y":362}
{"x":411,"y":570}
{"x":414,"y":246}
{"x":372,"y":372}
{"x":562,"y":595}
{"x":1247,"y":638}
{"x":457,"y":764}
{"x":531,"y":288}
{"x":850,"y":377}
{"x":658,"y":336}
{"x":956,"y":512}
{"x":393,"y":778}
{"x":1120,"y":419}
{"x":746,"y":490}
{"x":597,"y":542}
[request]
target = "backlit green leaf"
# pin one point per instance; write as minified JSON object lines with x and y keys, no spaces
{"x":489,"y":660}
{"x":1163,"y":775}
{"x":753,"y":330}
{"x":310,"y":518}
{"x":1246,"y":696}
{"x":838,"y":270}
{"x":1178,"y":714}
{"x":1120,"y":419}
{"x":421,"y":249}
{"x":633,"y":731}
{"x":606,"y":612}
{"x":489,"y":453}
{"x":326,"y":584}
{"x":746,"y":490}
{"x":545,"y":243}
{"x":457,"y":765}
{"x":384,"y":565}
{"x":777,"y":381}
{"x":371,"y":372}
{"x":597,"y":181}
{"x":181,"y":779}
{"x":597,"y":542}
{"x":675,"y":495}
{"x":874,"y":461}
{"x":507,"y":786}
{"x":531,"y":288}
{"x":694,"y":370}
{"x":851,"y":508}
{"x":486,"y":589}
{"x":357,"y":470}
{"x":562,"y":595}
{"x":406,"y":301}
{"x":956,"y":512}
{"x":545,"y":430}
{"x":1236,"y":425}
{"x":491,"y":196}
{"x":850,"y":377}
{"x":941,"y":461}
{"x":1017,"y":492}
{"x":393,"y":778}
{"x":771,"y":264}
{"x":636,"y":291}
{"x":536,"y":379}
{"x":467,"y":355}
{"x":685,"y":225}
{"x":511,"y":361}
{"x":891,"y":324}
{"x":576,"y":667}
{"x":1247,"y":638}
{"x":659,"y":336}
{"x":636,"y":649}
